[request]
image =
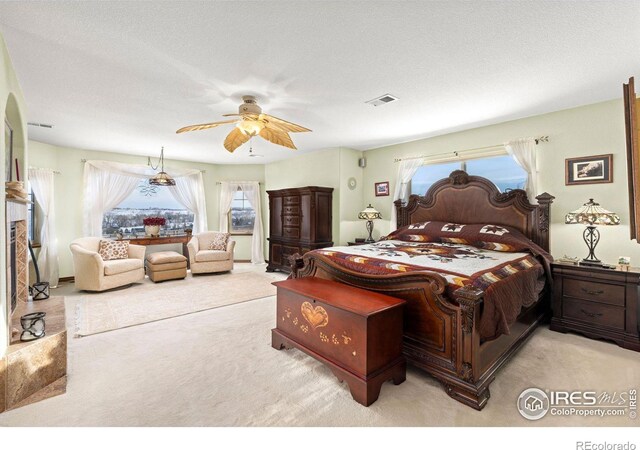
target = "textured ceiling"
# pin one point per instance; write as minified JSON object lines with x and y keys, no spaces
{"x":124,"y":76}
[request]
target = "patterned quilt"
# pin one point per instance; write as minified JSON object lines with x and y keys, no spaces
{"x":506,"y":265}
{"x":459,"y":264}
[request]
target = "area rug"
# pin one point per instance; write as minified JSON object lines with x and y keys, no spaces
{"x":149,"y":302}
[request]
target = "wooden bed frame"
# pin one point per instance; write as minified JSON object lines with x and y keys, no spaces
{"x":440,"y":333}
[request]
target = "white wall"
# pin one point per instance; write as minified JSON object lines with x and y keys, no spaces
{"x":68,"y":192}
{"x":12,"y":108}
{"x":589,"y":130}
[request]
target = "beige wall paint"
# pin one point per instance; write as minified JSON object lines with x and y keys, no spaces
{"x":588,"y":130}
{"x":12,"y":108}
{"x":68,"y":192}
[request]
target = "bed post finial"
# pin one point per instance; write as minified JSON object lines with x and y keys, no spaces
{"x":400,"y":219}
{"x":459,"y":177}
{"x":543,"y":219}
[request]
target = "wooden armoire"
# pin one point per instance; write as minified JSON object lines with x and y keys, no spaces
{"x":299,"y":221}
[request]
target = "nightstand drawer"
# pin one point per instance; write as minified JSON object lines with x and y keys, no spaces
{"x":598,"y":292}
{"x":593,"y":313}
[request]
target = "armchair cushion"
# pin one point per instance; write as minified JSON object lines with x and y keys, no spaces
{"x":213,"y":240}
{"x":116,"y":266}
{"x":113,"y":250}
{"x":212,"y":255}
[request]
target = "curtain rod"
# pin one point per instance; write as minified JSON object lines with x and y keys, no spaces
{"x":83,"y":160}
{"x":455,"y":153}
{"x":220,"y":182}
{"x":45,"y":168}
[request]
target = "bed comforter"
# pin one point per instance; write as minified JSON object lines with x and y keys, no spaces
{"x":507,"y":266}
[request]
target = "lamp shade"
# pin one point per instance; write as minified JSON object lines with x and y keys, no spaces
{"x":369,"y":213}
{"x":162,"y":179}
{"x":591,"y":213}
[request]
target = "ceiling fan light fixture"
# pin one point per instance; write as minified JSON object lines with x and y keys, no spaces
{"x":250,"y":123}
{"x":250,"y":127}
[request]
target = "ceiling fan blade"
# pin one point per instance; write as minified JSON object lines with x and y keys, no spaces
{"x":277,"y":137}
{"x":283,"y":124}
{"x":203,"y":126}
{"x":235,"y":139}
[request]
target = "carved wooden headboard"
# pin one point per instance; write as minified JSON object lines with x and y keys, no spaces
{"x":462,"y":198}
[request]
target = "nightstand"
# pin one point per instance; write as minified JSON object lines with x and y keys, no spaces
{"x":351,"y":243}
{"x":596,"y":302}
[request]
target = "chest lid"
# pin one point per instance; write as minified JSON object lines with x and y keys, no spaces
{"x":338,"y":295}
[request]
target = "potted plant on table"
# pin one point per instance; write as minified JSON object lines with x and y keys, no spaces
{"x":152,"y":225}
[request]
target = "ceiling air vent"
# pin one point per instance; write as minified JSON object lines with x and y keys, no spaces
{"x":382,"y":100}
{"x":41,"y":125}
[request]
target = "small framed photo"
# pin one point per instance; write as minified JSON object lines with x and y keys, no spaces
{"x":624,"y":260}
{"x":382,"y":189}
{"x":589,"y":170}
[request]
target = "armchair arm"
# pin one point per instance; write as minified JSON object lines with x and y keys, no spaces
{"x":88,"y":266}
{"x":230,"y":246}
{"x":193,"y":247}
{"x":137,"y":251}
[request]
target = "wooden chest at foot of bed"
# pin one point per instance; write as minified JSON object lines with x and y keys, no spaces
{"x":357,"y":333}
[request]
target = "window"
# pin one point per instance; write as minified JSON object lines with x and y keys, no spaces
{"x":241,"y":216}
{"x":502,"y":170}
{"x":429,"y":174}
{"x":147,"y":201}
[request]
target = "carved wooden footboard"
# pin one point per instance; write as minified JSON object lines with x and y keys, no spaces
{"x":440,"y":334}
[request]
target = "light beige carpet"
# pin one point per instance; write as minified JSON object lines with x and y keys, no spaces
{"x":217,"y":368}
{"x":149,"y":302}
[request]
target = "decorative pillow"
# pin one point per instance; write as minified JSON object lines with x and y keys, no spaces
{"x":109,"y":250}
{"x":486,"y":236}
{"x":219,"y":241}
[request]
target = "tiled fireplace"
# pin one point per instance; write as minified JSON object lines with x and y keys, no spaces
{"x":17,"y":254}
{"x":30,"y":371}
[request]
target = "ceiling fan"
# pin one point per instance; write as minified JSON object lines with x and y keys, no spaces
{"x":253,"y":122}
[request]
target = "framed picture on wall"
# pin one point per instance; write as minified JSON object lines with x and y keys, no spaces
{"x":8,"y":151}
{"x":589,"y":170}
{"x":382,"y":189}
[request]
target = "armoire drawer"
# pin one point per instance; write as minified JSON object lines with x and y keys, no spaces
{"x":291,"y":210}
{"x":291,"y":221}
{"x":291,"y":232}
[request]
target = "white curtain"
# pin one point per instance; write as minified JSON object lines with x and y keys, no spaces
{"x":251,"y":190}
{"x":104,"y":189}
{"x":189,"y":191}
{"x":523,"y":151}
{"x":227,"y":190}
{"x":42,"y":182}
{"x":406,"y":170}
{"x":108,"y":183}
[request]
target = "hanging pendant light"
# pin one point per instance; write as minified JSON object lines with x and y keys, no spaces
{"x":162,"y":178}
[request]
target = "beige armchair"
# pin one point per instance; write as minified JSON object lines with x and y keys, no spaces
{"x":92,"y":273}
{"x":203,"y":260}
